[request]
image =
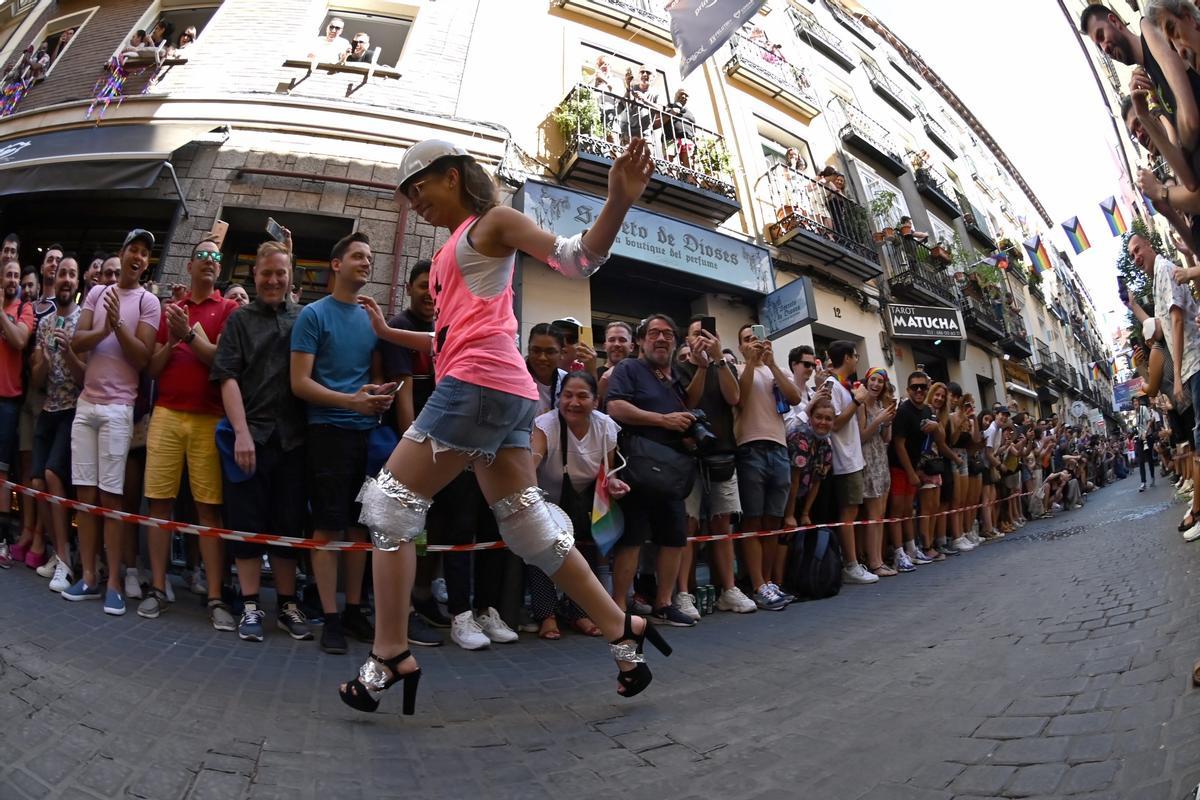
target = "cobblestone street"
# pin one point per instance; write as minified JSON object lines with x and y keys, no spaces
{"x":1053,"y":663}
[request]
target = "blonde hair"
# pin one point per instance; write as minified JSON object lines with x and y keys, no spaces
{"x":270,"y":248}
{"x":944,"y":414}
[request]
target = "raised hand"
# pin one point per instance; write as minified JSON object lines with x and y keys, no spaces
{"x":378,"y":323}
{"x":630,"y":173}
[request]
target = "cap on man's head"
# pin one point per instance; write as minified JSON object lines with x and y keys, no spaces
{"x":139,"y":234}
{"x":1149,"y":326}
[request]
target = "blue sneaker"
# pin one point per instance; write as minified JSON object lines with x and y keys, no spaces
{"x":80,"y":591}
{"x":114,"y":603}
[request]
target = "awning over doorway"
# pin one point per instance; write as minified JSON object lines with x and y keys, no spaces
{"x":95,"y":157}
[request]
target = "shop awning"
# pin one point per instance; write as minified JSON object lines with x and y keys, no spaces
{"x":1017,"y":388}
{"x":96,"y":157}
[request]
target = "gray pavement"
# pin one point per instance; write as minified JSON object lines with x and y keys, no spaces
{"x":1054,"y":663}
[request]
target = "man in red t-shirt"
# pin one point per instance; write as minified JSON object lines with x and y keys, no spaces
{"x":15,"y":325}
{"x":183,"y":427}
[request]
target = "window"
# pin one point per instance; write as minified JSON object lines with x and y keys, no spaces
{"x":873,"y":184}
{"x":775,"y":145}
{"x":178,"y":24}
{"x":940,"y":232}
{"x":314,"y":236}
{"x":382,"y":37}
{"x":50,"y":42}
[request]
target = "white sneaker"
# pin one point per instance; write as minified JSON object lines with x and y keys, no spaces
{"x":133,"y":585}
{"x":170,"y":590}
{"x":1192,"y":533}
{"x":857,"y":574}
{"x":198,"y":584}
{"x":974,"y":538}
{"x":63,"y":577}
{"x":736,"y":601}
{"x":686,"y":603}
{"x":466,"y":633}
{"x":963,"y":545}
{"x":493,"y":627}
{"x":47,"y":570}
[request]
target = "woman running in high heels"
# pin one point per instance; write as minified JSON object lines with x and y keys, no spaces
{"x":481,"y":412}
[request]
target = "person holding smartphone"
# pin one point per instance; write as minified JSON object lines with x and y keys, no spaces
{"x":848,"y":466}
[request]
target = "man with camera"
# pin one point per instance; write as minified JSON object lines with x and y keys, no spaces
{"x":763,"y":471}
{"x":712,"y":387}
{"x":644,"y":395}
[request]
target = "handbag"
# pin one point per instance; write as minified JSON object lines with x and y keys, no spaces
{"x":657,"y":470}
{"x":719,"y":467}
{"x":929,"y":463}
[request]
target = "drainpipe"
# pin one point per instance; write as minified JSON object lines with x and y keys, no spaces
{"x":397,"y":246}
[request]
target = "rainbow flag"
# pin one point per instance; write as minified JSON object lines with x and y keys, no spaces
{"x":1075,"y":234}
{"x":1113,"y":216}
{"x":1097,"y":374}
{"x":608,"y":523}
{"x":1038,"y":257}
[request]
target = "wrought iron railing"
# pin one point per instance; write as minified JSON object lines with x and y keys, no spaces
{"x":911,"y":265}
{"x":852,"y":23}
{"x":973,"y":217}
{"x":930,"y":177}
{"x":773,"y":67}
{"x":1110,"y":72}
{"x":876,"y":75}
{"x":601,"y":123}
{"x":1015,"y":326}
{"x":857,"y":121}
{"x":648,"y":11}
{"x":800,"y":201}
{"x":1042,"y":359}
{"x":806,"y":23}
{"x":981,"y":311}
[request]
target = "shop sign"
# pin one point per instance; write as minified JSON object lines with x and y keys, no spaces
{"x":653,"y":238}
{"x":787,"y":308}
{"x":925,"y":322}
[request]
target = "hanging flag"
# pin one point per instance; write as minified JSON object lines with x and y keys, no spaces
{"x":700,"y":27}
{"x":998,"y":260}
{"x":1149,"y":206}
{"x":1097,"y":373}
{"x":608,"y":523}
{"x":1075,"y":235}
{"x":1113,"y":216}
{"x":1115,"y":369}
{"x":1036,"y":250}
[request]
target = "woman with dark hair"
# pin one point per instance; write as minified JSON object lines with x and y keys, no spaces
{"x":482,"y":409}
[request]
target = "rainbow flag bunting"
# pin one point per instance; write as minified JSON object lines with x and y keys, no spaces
{"x":1037,"y":254}
{"x":1097,"y":373}
{"x":998,"y":260}
{"x":1113,"y":216}
{"x":1075,"y":234}
{"x":608,"y":523}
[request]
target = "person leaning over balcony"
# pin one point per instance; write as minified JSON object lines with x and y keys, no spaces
{"x":116,"y":329}
{"x":640,"y":117}
{"x":330,"y":48}
{"x":482,"y":410}
{"x":763,"y":475}
{"x":360,"y":52}
{"x":604,"y":82}
{"x":834,"y":198}
{"x":187,"y":38}
{"x":679,"y":127}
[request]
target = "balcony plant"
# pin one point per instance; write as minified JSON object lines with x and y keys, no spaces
{"x":881,"y":206}
{"x":578,"y":115}
{"x":941,"y":254}
{"x":712,"y":157}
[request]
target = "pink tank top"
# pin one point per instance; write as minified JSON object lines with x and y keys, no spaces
{"x":476,"y":336}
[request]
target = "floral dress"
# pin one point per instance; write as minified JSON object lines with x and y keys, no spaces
{"x":808,"y":453}
{"x":877,"y":479}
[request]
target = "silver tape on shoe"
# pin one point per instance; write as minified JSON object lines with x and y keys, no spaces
{"x":392,"y":512}
{"x":539,"y":532}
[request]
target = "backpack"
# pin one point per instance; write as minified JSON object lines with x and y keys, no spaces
{"x":814,"y":564}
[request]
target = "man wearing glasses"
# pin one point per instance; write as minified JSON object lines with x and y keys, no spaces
{"x":183,"y":427}
{"x":914,"y":421}
{"x":361,"y":52}
{"x":332,"y":47}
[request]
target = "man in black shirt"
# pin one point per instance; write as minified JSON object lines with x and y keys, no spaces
{"x":914,"y":423}
{"x":401,"y":364}
{"x":680,"y":127}
{"x":360,"y":50}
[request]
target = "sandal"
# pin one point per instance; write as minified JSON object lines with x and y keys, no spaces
{"x":552,"y":634}
{"x":375,"y":676}
{"x":884,"y":571}
{"x":587,"y":627}
{"x":628,"y":649}
{"x":1189,"y":521}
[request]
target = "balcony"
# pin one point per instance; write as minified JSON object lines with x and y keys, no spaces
{"x":932,"y":186}
{"x":817,"y":36}
{"x":821,"y":223}
{"x":850,"y":23}
{"x":695,"y":177}
{"x":1043,"y":362}
{"x":913,"y":274}
{"x":938,"y":135}
{"x":860,"y":131}
{"x":1059,"y":372}
{"x":770,"y":73}
{"x":983,"y":317}
{"x":1015,"y":341}
{"x":1035,"y":289}
{"x":888,"y":89}
{"x":643,"y":16}
{"x":976,"y":222}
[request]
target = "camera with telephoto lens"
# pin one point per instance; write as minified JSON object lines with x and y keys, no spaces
{"x":699,"y":432}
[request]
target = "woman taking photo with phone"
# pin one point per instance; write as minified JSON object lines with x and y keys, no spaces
{"x":481,"y":411}
{"x":875,"y":421}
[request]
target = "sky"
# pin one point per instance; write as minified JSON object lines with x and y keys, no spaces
{"x":1018,"y":67}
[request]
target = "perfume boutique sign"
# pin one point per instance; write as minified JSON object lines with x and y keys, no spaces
{"x":653,"y":238}
{"x":926,"y":322}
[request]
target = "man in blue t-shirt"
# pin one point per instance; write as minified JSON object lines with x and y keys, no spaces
{"x":333,"y":360}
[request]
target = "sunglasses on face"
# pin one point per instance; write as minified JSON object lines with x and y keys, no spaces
{"x":204,"y":255}
{"x":808,"y":364}
{"x":335,"y":27}
{"x":918,"y":387}
{"x":360,"y":41}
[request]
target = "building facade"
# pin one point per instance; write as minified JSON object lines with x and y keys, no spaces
{"x":255,"y":120}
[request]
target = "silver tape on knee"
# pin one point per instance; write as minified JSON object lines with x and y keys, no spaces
{"x":393,"y":513}
{"x":572,"y":258}
{"x":537,"y":531}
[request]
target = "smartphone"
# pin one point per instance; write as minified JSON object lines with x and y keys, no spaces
{"x":391,"y":392}
{"x":758,"y":332}
{"x":219,"y":229}
{"x":275,"y":230}
{"x":709,"y":324}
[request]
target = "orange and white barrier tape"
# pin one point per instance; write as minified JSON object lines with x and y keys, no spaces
{"x":314,"y":544}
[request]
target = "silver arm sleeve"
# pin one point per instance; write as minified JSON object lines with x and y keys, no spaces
{"x":572,"y":258}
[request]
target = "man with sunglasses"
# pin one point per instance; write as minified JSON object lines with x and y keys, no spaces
{"x":332,"y":47}
{"x":183,"y":427}
{"x":914,"y":421}
{"x":361,"y":52}
{"x":802,"y":361}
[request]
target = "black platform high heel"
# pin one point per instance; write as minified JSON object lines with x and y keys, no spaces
{"x":629,"y":650}
{"x":375,"y":677}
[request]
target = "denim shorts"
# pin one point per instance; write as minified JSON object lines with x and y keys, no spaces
{"x":473,"y":419}
{"x":764,"y":478}
{"x":1194,"y":390}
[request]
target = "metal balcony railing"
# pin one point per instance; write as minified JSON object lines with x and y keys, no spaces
{"x":800,"y":201}
{"x":809,"y":29}
{"x":975,"y":221}
{"x":911,"y":268}
{"x":982,"y":314}
{"x":935,"y":186}
{"x":1042,"y":360}
{"x":860,"y":126}
{"x":851,"y":22}
{"x":887,"y":88}
{"x":642,"y":14}
{"x":938,"y":133}
{"x":772,"y":67}
{"x":601,"y":123}
{"x":1110,"y":72}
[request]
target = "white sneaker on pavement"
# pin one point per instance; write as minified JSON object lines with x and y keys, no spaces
{"x":1192,"y":533}
{"x":466,"y":633}
{"x":494,"y":628}
{"x":963,"y":545}
{"x":856,"y":573}
{"x":47,"y":570}
{"x":686,"y":603}
{"x":133,"y":584}
{"x":63,"y":578}
{"x":735,"y":600}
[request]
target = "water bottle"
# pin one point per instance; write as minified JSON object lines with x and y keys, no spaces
{"x":59,"y":324}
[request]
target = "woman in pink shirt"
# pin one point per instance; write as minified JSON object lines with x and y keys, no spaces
{"x":482,"y":410}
